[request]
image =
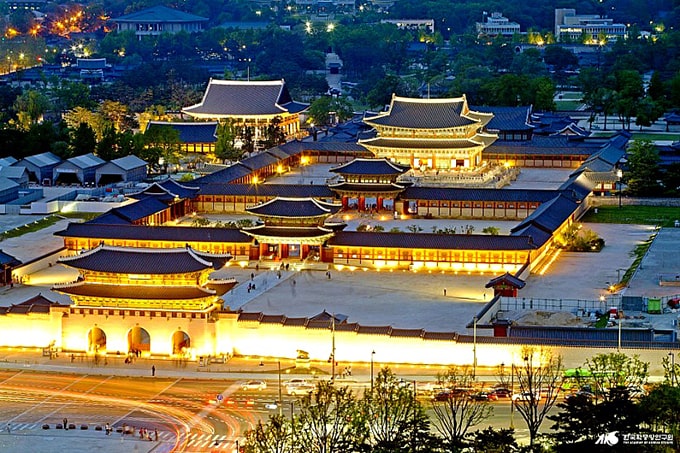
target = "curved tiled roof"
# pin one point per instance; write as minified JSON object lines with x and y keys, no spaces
{"x":159,"y":14}
{"x":421,"y":143}
{"x":268,"y":190}
{"x":507,"y":118}
{"x":461,"y":194}
{"x":135,"y":292}
{"x":363,"y":166}
{"x":415,"y":113}
{"x":224,"y":98}
{"x":154,"y":233}
{"x":137,"y":260}
{"x":293,"y":208}
{"x":367,"y":188}
{"x":432,"y":241}
{"x":287,"y":232}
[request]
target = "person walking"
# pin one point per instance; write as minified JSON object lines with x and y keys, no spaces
{"x":65,"y":423}
{"x":153,"y":370}
{"x":445,"y":291}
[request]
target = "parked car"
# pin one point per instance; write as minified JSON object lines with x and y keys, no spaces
{"x":295,"y":382}
{"x":526,"y":396}
{"x":451,"y":393}
{"x":302,"y":389}
{"x":254,"y":385}
{"x":484,"y":396}
{"x":502,"y":393}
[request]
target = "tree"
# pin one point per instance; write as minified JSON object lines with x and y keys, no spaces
{"x":274,"y":134}
{"x":330,"y":421}
{"x":225,"y":147}
{"x":539,"y":378}
{"x":30,"y":107}
{"x":630,"y":90}
{"x":616,"y":371}
{"x":94,"y":120}
{"x":390,"y":408}
{"x":454,"y":416}
{"x":660,"y":409}
{"x":83,"y":140}
{"x":116,"y":114}
{"x":107,"y":148}
{"x":320,"y":110}
{"x":643,"y":174}
{"x":490,"y":440}
{"x":161,"y":142}
{"x":273,"y":437}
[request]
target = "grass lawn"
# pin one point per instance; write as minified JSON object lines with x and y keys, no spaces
{"x":639,"y":215}
{"x":568,"y":105}
{"x":654,"y":136}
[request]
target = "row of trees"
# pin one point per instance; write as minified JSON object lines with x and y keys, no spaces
{"x":389,"y":417}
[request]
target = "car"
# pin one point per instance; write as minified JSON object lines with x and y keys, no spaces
{"x":302,"y":389}
{"x":451,"y":393}
{"x":295,"y":382}
{"x":526,"y":396}
{"x":271,"y":406}
{"x":502,"y":393}
{"x":254,"y":385}
{"x":484,"y":396}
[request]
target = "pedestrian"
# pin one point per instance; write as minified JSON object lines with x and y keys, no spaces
{"x":108,"y":429}
{"x":65,"y":423}
{"x":252,"y":276}
{"x":287,"y":266}
{"x":9,"y":428}
{"x":293,"y":282}
{"x":155,"y":434}
{"x":257,"y":267}
{"x":73,"y":358}
{"x":329,"y":275}
{"x":153,"y":370}
{"x":445,"y":291}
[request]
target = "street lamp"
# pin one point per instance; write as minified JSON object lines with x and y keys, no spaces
{"x":474,"y":347}
{"x":618,"y":315}
{"x":672,"y":367}
{"x":512,"y":393}
{"x":619,"y":175}
{"x":372,"y":354}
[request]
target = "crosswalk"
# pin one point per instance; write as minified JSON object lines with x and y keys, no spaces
{"x":192,"y":441}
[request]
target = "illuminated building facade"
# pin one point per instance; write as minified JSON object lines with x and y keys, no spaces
{"x":254,"y":104}
{"x":434,"y":134}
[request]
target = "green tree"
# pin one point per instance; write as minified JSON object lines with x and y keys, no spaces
{"x":275,"y":436}
{"x":274,"y":134}
{"x":83,"y":140}
{"x":320,"y":110}
{"x":225,"y":147}
{"x":616,"y":371}
{"x":629,"y":91}
{"x":94,"y":120}
{"x":660,"y":409}
{"x":107,"y":148}
{"x":162,"y":142}
{"x":490,"y":440}
{"x":644,"y":173}
{"x":30,"y":107}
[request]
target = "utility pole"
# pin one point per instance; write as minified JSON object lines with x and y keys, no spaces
{"x":333,"y":349}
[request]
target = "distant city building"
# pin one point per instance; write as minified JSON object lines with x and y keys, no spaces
{"x":496,"y":24}
{"x":158,"y":20}
{"x":426,"y":25}
{"x":570,"y":26}
{"x":31,"y":5}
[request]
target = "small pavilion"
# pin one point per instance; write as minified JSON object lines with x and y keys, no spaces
{"x":367,"y":184}
{"x":292,"y":228}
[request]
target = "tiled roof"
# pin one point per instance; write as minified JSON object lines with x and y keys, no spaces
{"x":137,"y":260}
{"x":551,"y":145}
{"x":407,"y":333}
{"x":226,"y":175}
{"x":260,"y":160}
{"x":549,"y":215}
{"x":431,"y":241}
{"x":363,"y":166}
{"x":441,"y":336}
{"x":268,"y":190}
{"x":507,"y":277}
{"x":8,"y":260}
{"x":459,"y":194}
{"x":287,"y":232}
{"x":111,"y":218}
{"x":272,"y":319}
{"x":366,"y":188}
{"x":43,"y":160}
{"x":154,"y":233}
{"x":537,"y":234}
{"x":159,"y":14}
{"x":293,"y":208}
{"x":507,"y":118}
{"x":418,"y":113}
{"x":129,"y":162}
{"x":86,"y":161}
{"x":578,"y":186}
{"x":140,"y":209}
{"x":135,"y":292}
{"x":374,"y":330}
{"x":91,"y":63}
{"x":421,"y":143}
{"x":239,"y":98}
{"x":36,"y":304}
{"x":197,"y":132}
{"x":169,"y":187}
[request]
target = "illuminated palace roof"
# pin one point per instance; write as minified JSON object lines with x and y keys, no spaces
{"x":135,"y":292}
{"x":141,"y":260}
{"x":362,"y":166}
{"x":416,"y":113}
{"x":294,"y":208}
{"x":238,"y":98}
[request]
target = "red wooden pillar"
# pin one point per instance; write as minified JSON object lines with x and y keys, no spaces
{"x":362,"y":203}
{"x":379,"y":203}
{"x":344,"y":202}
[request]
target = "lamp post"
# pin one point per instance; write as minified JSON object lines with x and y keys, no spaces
{"x":619,"y":175}
{"x":672,"y":367}
{"x":512,"y":392}
{"x":280,"y":401}
{"x":333,"y":349}
{"x":474,"y":347}
{"x":618,"y":315}
{"x":372,"y":354}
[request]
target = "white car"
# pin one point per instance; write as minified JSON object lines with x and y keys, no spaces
{"x":302,"y":389}
{"x":526,"y":396}
{"x":254,"y":385}
{"x":295,"y":382}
